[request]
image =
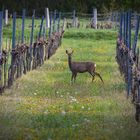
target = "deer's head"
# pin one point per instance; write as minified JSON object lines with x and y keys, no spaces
{"x":69,"y":53}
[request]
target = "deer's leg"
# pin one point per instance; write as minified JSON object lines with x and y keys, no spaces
{"x":75,"y":74}
{"x":93,"y":75}
{"x":99,"y":76}
{"x":72,"y":76}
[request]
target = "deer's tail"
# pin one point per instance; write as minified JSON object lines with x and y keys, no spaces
{"x":96,"y":73}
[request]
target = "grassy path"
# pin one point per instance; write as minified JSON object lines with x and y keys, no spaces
{"x":43,"y":105}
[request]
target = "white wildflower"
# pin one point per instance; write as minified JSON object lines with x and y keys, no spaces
{"x":82,"y":107}
{"x":71,"y":97}
{"x":75,"y":125}
{"x":74,"y":99}
{"x":61,"y":96}
{"x":86,"y":120}
{"x":46,"y":112}
{"x":63,"y":112}
{"x":89,"y":108}
{"x":35,"y":93}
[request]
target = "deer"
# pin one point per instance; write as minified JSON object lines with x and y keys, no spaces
{"x":81,"y":67}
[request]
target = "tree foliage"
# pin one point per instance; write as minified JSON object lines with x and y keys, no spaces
{"x":69,"y":5}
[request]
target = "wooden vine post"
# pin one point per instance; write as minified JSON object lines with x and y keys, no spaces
{"x":74,"y":17}
{"x":44,"y":32}
{"x":23,"y":25}
{"x":31,"y":42}
{"x":95,"y":18}
{"x":6,"y":17}
{"x":12,"y":68}
{"x":1,"y":57}
{"x":54,"y":19}
{"x":50,"y":29}
{"x":41,"y":27}
{"x":1,"y":25}
{"x":128,"y":35}
{"x":23,"y":57}
{"x":59,"y":19}
{"x":41,"y":46}
{"x":47,"y":16}
{"x":136,"y":35}
{"x":121,"y":24}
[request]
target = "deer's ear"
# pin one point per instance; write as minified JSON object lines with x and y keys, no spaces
{"x":66,"y":51}
{"x":72,"y":52}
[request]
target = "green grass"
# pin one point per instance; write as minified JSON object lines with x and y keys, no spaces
{"x":44,"y":105}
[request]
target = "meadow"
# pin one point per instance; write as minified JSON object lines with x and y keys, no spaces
{"x":44,"y":105}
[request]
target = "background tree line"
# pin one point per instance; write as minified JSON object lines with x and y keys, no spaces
{"x":84,"y":6}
